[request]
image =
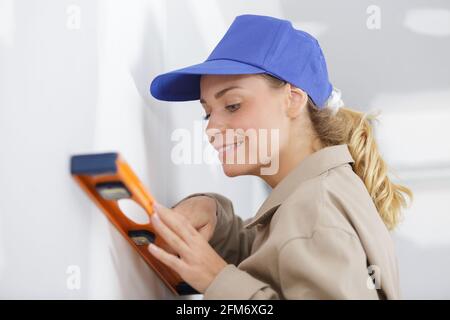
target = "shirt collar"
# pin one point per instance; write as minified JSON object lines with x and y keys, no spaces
{"x":313,"y":165}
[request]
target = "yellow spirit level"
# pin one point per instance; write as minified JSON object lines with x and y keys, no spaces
{"x":107,"y":178}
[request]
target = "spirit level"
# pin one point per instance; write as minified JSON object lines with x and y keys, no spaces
{"x":107,"y":178}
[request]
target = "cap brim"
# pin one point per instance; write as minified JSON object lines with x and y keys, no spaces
{"x":184,"y":84}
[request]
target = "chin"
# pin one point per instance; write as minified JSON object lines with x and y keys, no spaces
{"x":234,"y":170}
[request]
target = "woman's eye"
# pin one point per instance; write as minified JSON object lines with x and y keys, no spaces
{"x":233,"y":107}
{"x":230,"y":108}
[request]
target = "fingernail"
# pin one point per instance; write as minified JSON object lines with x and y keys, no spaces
{"x":152,"y":247}
{"x":155,"y":217}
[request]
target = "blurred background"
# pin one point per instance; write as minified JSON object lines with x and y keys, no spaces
{"x":74,"y":78}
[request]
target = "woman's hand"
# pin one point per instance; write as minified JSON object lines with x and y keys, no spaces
{"x":195,"y":260}
{"x":200,"y":211}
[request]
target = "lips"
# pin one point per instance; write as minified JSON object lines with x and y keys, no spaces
{"x":228,"y":147}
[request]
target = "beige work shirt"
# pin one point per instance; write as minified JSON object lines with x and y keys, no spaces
{"x":317,"y":236}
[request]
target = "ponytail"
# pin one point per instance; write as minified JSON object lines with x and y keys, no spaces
{"x":354,"y":128}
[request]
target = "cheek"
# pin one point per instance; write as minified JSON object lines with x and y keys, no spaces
{"x":265,"y":128}
{"x":271,"y":119}
{"x":263,"y":113}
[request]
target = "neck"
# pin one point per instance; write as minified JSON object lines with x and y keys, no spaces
{"x":287,"y":162}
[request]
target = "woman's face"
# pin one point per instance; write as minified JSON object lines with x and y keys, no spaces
{"x":247,"y":121}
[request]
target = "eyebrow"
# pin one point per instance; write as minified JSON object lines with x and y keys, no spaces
{"x":221,"y":93}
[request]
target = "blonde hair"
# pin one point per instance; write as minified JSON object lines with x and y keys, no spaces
{"x":354,"y":128}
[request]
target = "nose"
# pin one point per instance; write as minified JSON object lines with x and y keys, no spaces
{"x":213,"y":129}
{"x":212,"y":134}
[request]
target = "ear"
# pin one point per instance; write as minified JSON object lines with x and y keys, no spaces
{"x":297,"y":99}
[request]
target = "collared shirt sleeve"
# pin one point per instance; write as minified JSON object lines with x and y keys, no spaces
{"x":231,"y":240}
{"x":235,"y":284}
{"x":328,"y":265}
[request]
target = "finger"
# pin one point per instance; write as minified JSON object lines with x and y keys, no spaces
{"x":168,"y":259}
{"x":205,"y":232}
{"x":177,"y":222}
{"x":197,"y":221}
{"x":170,"y":237}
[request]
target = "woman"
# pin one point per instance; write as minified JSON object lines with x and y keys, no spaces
{"x":323,"y":233}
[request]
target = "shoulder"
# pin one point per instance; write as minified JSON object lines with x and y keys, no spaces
{"x":321,"y":203}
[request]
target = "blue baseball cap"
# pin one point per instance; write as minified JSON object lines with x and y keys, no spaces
{"x":254,"y":44}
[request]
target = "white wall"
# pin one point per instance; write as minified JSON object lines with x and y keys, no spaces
{"x":74,"y":78}
{"x":68,"y":89}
